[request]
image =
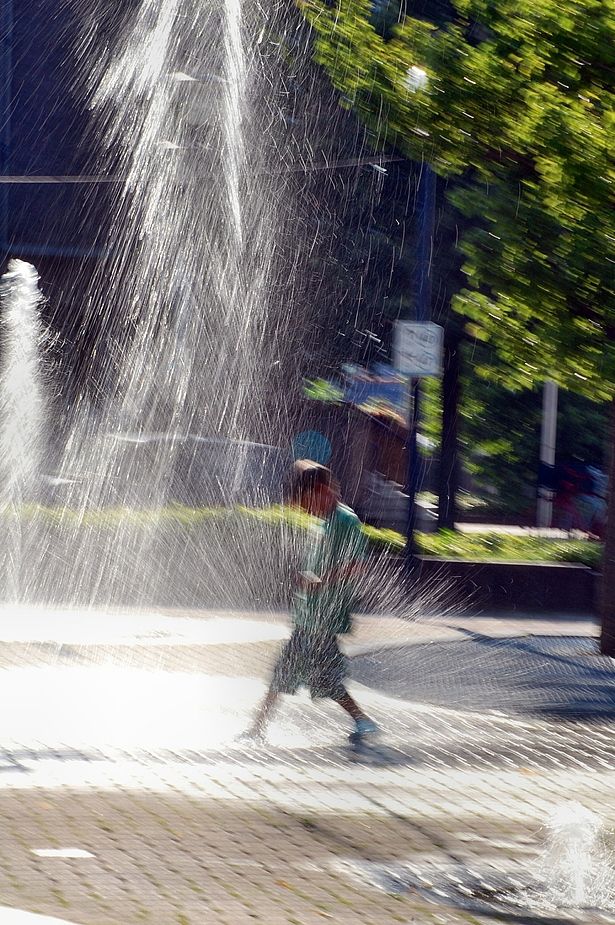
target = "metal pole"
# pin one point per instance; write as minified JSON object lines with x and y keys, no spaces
{"x":6,"y":104}
{"x":548,"y":439}
{"x":414,"y":477}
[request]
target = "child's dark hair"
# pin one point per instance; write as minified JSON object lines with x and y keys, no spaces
{"x":306,"y":476}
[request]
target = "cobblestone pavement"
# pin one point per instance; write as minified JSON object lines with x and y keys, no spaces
{"x":125,"y":797}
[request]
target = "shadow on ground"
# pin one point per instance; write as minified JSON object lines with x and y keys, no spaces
{"x":555,"y":676}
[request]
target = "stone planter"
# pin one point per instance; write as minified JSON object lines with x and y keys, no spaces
{"x":515,"y":586}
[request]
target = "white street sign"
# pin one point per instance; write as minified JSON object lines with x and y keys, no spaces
{"x":418,"y":348}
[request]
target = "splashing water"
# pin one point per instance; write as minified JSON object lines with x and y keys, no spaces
{"x":187,"y":327}
{"x":183,"y":334}
{"x":176,"y":245}
{"x":576,"y":866}
{"x":21,"y":408}
{"x":573,"y":874}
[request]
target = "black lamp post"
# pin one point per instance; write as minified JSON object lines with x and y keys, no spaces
{"x":417,"y":80}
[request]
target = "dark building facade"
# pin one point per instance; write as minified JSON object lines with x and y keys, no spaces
{"x":44,"y":135}
{"x":53,"y":202}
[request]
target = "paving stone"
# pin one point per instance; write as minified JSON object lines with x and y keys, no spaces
{"x":487,"y":729}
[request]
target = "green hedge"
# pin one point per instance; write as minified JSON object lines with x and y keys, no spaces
{"x":502,"y":546}
{"x":445,"y":543}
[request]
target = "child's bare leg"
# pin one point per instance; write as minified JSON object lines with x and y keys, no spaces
{"x":263,"y":714}
{"x":349,"y":704}
{"x":364,"y":726}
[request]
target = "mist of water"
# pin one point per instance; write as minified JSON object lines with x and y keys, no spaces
{"x":185,"y":310}
{"x":21,"y":409}
{"x":186,"y":334}
{"x":187,"y":325}
{"x":576,"y":866}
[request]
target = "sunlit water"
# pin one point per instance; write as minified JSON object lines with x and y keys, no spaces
{"x":22,"y":416}
{"x":572,"y":874}
{"x":182,"y":330}
{"x":188,"y":327}
{"x":577,"y":867}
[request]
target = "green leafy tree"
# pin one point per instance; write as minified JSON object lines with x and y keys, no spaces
{"x":500,"y":436}
{"x":518,"y":103}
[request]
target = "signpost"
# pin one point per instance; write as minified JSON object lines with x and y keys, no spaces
{"x":418,"y":347}
{"x":548,"y":437}
{"x":418,"y":343}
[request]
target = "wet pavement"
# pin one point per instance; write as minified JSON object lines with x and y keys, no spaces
{"x":125,"y":797}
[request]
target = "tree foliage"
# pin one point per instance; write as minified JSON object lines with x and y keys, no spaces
{"x":499,"y":433}
{"x":519,"y":107}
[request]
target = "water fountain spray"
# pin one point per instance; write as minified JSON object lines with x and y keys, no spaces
{"x":576,"y":866}
{"x":21,"y":408}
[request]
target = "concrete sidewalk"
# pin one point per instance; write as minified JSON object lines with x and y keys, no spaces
{"x":12,"y":916}
{"x":551,"y":533}
{"x":124,"y":796}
